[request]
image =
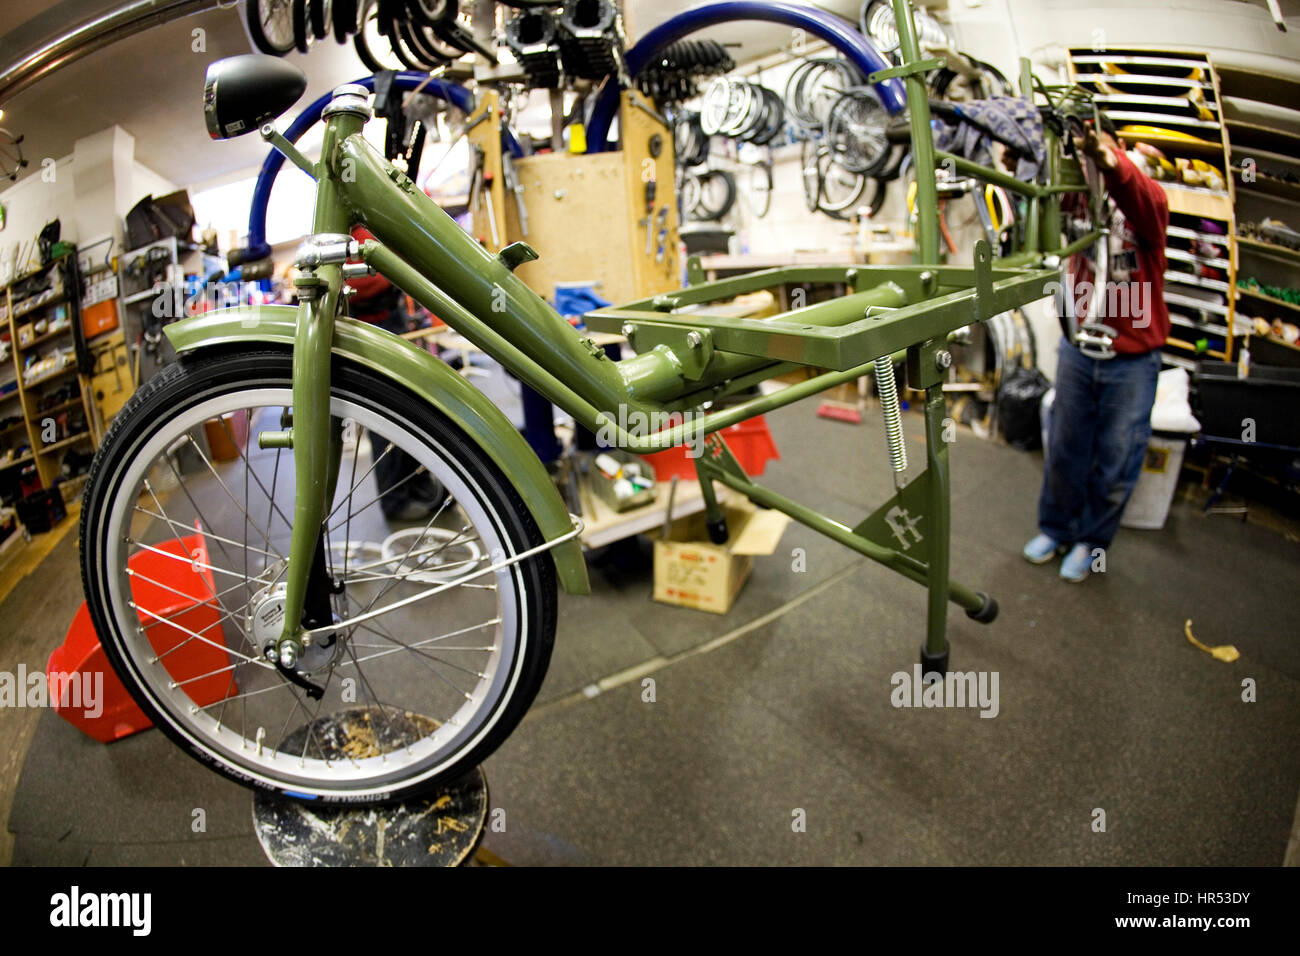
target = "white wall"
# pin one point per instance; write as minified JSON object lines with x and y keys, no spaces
{"x":30,"y":204}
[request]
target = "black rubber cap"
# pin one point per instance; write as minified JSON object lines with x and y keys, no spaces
{"x":933,"y":664}
{"x":718,"y":532}
{"x":987,"y":612}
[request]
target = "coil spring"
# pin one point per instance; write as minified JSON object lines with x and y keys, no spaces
{"x":888,"y":390}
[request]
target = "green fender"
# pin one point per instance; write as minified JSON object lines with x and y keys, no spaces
{"x":432,"y":380}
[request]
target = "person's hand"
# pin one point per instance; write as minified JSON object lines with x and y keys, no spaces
{"x":1092,"y":145}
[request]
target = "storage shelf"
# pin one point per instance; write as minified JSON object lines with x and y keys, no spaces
{"x":1201,"y":305}
{"x":1182,"y":255}
{"x":1197,"y":201}
{"x":45,"y":338}
{"x":1189,"y":347}
{"x":1261,"y":87}
{"x":22,"y":308}
{"x":1182,"y":232}
{"x":1220,"y":330}
{"x":69,"y":368}
{"x":1139,"y":59}
{"x":19,"y":461}
{"x":1200,"y":148}
{"x":1269,"y":186}
{"x":1268,"y":248}
{"x":1160,"y":119}
{"x":1246,"y":135}
{"x":64,"y":442}
{"x":1200,"y":282}
{"x":61,"y":407}
{"x":1173,"y":102}
{"x":1260,"y":297}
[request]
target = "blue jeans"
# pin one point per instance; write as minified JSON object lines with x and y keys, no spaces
{"x":1097,"y":440}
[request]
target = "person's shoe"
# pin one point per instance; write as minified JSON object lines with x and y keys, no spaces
{"x":1077,"y":564}
{"x":409,"y":511}
{"x":1040,"y":549}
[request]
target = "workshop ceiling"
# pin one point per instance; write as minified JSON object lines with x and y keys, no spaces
{"x":150,"y":85}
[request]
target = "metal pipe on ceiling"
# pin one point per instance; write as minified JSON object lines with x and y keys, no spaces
{"x":24,"y":61}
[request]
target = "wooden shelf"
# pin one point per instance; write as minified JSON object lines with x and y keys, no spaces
{"x":1267,"y":185}
{"x":45,"y":338}
{"x":1246,"y":135}
{"x":64,"y":442}
{"x":36,"y":383}
{"x":20,"y":311}
{"x":19,"y":461}
{"x":61,"y":407}
{"x":1197,"y":201}
{"x":1262,"y":87}
{"x":1260,"y":297}
{"x":1268,"y":249}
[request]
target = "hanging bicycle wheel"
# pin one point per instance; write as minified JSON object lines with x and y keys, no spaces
{"x":756,"y":188}
{"x":855,"y":131}
{"x":842,"y":189}
{"x":371,"y":40}
{"x":438,"y":643}
{"x":270,"y":25}
{"x":12,"y":161}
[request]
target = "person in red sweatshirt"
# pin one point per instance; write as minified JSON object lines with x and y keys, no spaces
{"x":1101,"y":415}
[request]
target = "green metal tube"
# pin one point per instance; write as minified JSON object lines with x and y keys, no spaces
{"x":430,"y":241}
{"x":908,"y":567}
{"x":1050,"y":225}
{"x":938,"y":518}
{"x":315,"y":453}
{"x":989,"y":175}
{"x":487,"y":338}
{"x":923,"y":155}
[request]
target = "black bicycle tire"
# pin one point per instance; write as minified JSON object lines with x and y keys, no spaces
{"x":415,"y":38}
{"x":320,"y":14}
{"x":398,"y":46}
{"x":714,"y":215}
{"x":260,"y":40}
{"x":174,"y":388}
{"x":301,"y":26}
{"x":344,"y":14}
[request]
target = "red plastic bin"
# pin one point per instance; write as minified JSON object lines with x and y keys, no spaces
{"x":750,"y":441}
{"x":178,"y":588}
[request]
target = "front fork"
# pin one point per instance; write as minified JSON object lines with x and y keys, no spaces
{"x":316,"y":439}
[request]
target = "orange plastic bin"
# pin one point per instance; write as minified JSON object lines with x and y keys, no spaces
{"x":176,"y":586}
{"x":750,"y":441}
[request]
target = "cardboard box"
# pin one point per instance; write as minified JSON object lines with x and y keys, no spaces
{"x":691,"y":571}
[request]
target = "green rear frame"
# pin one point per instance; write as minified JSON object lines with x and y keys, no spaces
{"x":684,"y":361}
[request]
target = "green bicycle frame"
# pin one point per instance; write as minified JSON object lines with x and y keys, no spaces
{"x":684,"y":361}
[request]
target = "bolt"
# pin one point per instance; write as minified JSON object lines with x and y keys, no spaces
{"x":288,"y":655}
{"x":270,"y":652}
{"x":926,"y":277}
{"x":627,"y":330}
{"x":942,"y":359}
{"x":694,"y":339}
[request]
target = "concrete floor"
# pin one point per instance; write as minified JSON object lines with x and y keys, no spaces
{"x":784,"y":705}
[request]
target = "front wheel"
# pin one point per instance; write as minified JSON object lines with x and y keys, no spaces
{"x":185,"y":529}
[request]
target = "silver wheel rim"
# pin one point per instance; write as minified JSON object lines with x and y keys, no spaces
{"x":494,"y":646}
